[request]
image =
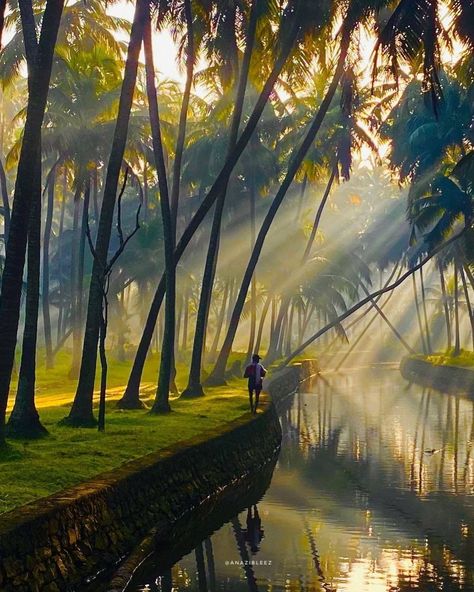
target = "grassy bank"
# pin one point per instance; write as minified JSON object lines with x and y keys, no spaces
{"x":33,"y":469}
{"x":465,"y":359}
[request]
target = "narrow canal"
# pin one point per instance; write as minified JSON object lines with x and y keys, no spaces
{"x":373,"y":491}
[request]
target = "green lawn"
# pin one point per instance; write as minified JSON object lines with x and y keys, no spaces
{"x":33,"y":469}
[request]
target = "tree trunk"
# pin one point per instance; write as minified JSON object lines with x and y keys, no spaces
{"x":81,"y":413}
{"x":24,"y":420}
{"x":253,"y":285}
{"x":74,"y":283}
{"x":161,"y":404}
{"x":12,"y":276}
{"x":5,"y":202}
{"x":194,"y":388}
{"x":468,"y":303}
{"x":45,"y":284}
{"x":425,"y":315}
{"x":81,"y":258}
{"x":220,"y":322}
{"x":319,"y":213}
{"x":218,"y":374}
{"x":263,"y":316}
{"x":447,"y":314}
{"x":457,"y":339}
{"x":183,"y":117}
{"x":418,"y":315}
{"x":133,"y":386}
{"x":59,"y":328}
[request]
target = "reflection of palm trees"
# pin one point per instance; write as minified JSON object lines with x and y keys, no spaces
{"x":415,"y":440}
{"x":469,"y":450}
{"x":244,"y":556}
{"x":315,"y":556}
{"x":201,"y":568}
{"x":422,"y":448}
{"x":166,"y":581}
{"x":211,"y":568}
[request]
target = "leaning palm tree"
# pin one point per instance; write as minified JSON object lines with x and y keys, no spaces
{"x":81,"y":413}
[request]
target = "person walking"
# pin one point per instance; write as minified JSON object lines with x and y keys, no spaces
{"x":255,"y":373}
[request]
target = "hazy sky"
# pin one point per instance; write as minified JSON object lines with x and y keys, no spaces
{"x":163,"y":46}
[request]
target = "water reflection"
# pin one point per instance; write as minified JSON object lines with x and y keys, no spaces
{"x":373,"y":491}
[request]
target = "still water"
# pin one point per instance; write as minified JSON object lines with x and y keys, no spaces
{"x":373,"y":492}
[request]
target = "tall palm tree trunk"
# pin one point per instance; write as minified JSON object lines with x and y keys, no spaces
{"x":253,"y":285}
{"x":261,"y":324}
{"x":319,"y":213}
{"x":161,"y":404}
{"x":12,"y":276}
{"x":76,"y":326}
{"x":217,"y":376}
{"x":45,"y":279}
{"x":457,"y":338}
{"x":447,"y":314}
{"x":5,"y":202}
{"x":132,"y":391}
{"x":468,"y":303}
{"x":425,"y":314}
{"x":59,"y":328}
{"x":81,"y":412}
{"x":24,"y":420}
{"x":194,"y":387}
{"x":418,"y":315}
{"x":220,"y":322}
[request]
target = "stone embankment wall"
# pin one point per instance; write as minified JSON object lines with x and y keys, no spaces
{"x":56,"y":543}
{"x":451,"y":379}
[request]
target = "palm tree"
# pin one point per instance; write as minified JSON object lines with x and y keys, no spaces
{"x":81,"y":412}
{"x":218,"y":373}
{"x":289,"y":31}
{"x":26,"y":184}
{"x":194,"y":388}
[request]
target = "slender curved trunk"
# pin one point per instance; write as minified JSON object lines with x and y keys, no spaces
{"x":418,"y":315}
{"x":275,"y":335}
{"x":81,"y":261}
{"x":81,"y":412}
{"x":304,"y":184}
{"x":447,"y":315}
{"x":253,"y":285}
{"x":319,"y":213}
{"x":24,"y":420}
{"x":183,"y":117}
{"x":201,"y":568}
{"x":263,"y":316}
{"x":384,"y":317}
{"x":12,"y":276}
{"x":218,"y":374}
{"x":133,"y":385}
{"x":468,"y":303}
{"x":5,"y":202}
{"x":457,"y":338}
{"x":425,"y":314}
{"x":161,"y":404}
{"x":220,"y":322}
{"x":194,"y":387}
{"x":76,"y":327}
{"x":61,"y":294}
{"x":45,"y":279}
